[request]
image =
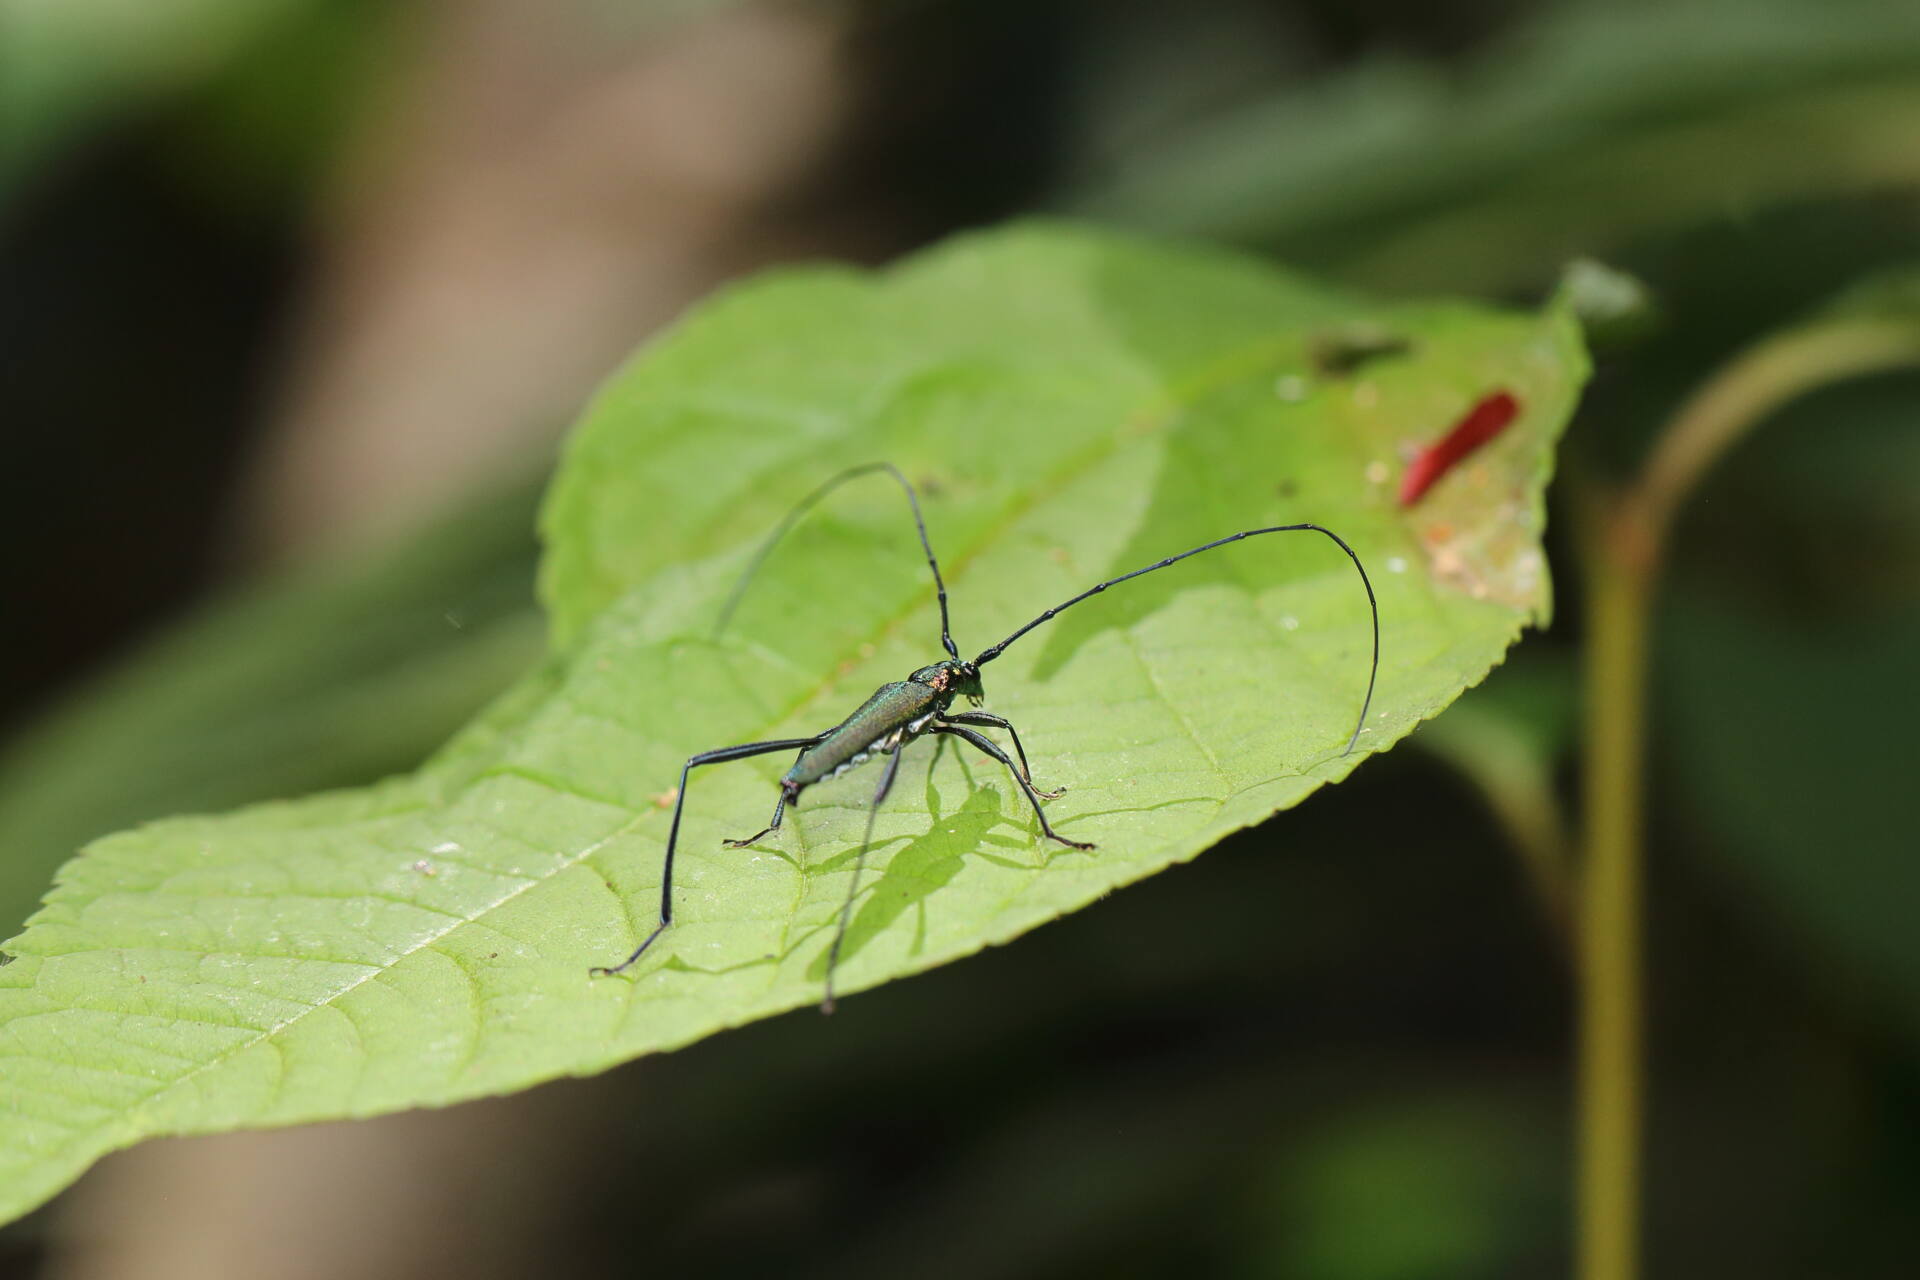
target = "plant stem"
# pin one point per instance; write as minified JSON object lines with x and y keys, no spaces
{"x":1623,"y":547}
{"x":1608,"y":937}
{"x":1753,"y":385}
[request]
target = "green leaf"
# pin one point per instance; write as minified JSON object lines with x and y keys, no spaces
{"x":1074,"y":404}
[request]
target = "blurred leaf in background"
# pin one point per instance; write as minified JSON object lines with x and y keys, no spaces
{"x":1797,"y":603}
{"x":327,"y":679}
{"x":1567,"y":135}
{"x":269,"y":73}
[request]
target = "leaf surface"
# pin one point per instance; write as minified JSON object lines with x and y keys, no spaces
{"x":1073,"y":404}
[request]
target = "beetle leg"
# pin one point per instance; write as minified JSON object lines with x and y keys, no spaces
{"x":1033,"y":797}
{"x":779,"y":809}
{"x":987,"y":719}
{"x":720,"y":755}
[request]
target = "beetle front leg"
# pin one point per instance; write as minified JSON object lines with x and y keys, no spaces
{"x":988,"y":720}
{"x":1033,"y":797}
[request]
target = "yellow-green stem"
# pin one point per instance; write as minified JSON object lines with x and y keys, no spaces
{"x":1622,"y":546}
{"x":1608,"y":936}
{"x":1753,"y":385}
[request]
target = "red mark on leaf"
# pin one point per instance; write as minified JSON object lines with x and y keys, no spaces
{"x":1482,"y":423}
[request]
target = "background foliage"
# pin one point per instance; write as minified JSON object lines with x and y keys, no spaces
{"x":1324,"y":1012}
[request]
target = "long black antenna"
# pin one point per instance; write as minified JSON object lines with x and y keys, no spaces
{"x":807,"y":504}
{"x":990,"y":653}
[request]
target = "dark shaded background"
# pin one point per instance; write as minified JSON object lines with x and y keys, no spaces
{"x":296,"y":298}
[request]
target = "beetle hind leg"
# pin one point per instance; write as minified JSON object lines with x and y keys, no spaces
{"x":787,"y":793}
{"x":779,"y":811}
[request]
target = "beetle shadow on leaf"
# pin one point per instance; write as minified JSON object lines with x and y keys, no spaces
{"x":677,"y":963}
{"x":921,"y":867}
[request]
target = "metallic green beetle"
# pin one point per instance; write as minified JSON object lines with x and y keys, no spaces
{"x":922,"y":704}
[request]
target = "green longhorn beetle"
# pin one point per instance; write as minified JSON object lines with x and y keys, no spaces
{"x":903,"y":710}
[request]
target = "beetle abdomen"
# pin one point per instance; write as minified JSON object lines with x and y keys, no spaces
{"x":876,"y":726}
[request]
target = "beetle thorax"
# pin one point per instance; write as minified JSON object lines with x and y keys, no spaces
{"x":952,"y":678}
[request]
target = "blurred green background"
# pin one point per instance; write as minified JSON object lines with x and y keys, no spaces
{"x":296,"y":297}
